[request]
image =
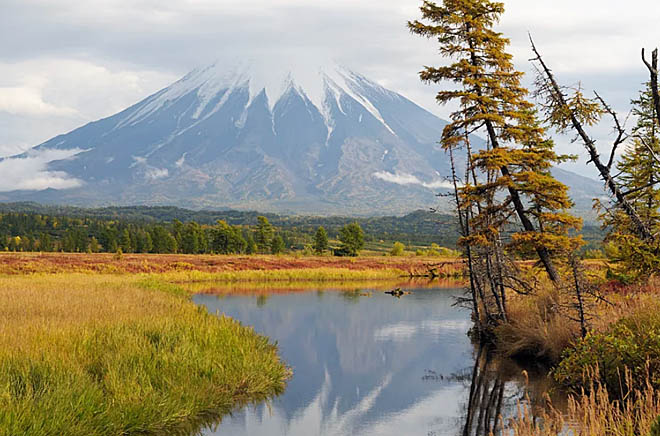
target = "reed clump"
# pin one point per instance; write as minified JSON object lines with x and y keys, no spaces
{"x":109,"y":355}
{"x":594,"y":412}
{"x":537,"y":329}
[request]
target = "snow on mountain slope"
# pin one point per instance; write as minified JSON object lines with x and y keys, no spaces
{"x":316,"y":83}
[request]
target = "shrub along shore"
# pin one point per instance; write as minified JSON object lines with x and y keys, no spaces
{"x":102,"y":354}
{"x":612,"y":374}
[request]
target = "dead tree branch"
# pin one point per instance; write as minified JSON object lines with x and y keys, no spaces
{"x":620,"y":130}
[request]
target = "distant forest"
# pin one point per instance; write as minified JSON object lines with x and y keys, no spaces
{"x":164,"y":229}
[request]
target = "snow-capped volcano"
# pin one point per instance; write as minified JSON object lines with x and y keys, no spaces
{"x":320,"y":86}
{"x":289,"y":138}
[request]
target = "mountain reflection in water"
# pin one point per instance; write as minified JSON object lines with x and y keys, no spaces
{"x":371,"y":366}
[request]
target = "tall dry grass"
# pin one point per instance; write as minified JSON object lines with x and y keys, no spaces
{"x":543,"y":326}
{"x":593,"y":413}
{"x":115,"y":355}
{"x":284,"y":275}
{"x":537,"y":329}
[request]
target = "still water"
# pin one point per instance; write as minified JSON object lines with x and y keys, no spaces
{"x":367,"y":363}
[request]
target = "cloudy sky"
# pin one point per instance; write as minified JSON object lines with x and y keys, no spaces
{"x":64,"y":63}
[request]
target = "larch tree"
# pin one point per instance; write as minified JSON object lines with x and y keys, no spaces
{"x":507,"y":186}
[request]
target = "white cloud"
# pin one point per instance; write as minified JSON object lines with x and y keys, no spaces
{"x":409,"y":179}
{"x":150,"y":172}
{"x":31,"y":173}
{"x":23,"y":100}
{"x":179,"y":163}
{"x":43,"y":97}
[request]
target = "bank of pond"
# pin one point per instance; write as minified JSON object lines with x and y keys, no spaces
{"x":121,"y":354}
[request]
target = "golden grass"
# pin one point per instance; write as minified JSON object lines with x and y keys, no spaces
{"x":283,"y":275}
{"x":109,"y":355}
{"x":107,"y":263}
{"x":592,"y":413}
{"x":541,"y":327}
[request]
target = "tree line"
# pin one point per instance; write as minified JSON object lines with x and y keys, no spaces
{"x":47,"y":233}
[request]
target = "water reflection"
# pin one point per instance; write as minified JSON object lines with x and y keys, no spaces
{"x":370,"y":364}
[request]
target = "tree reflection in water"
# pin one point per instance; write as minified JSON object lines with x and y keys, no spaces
{"x":484,"y":408}
{"x":497,"y":387}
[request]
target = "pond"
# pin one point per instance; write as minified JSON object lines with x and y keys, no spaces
{"x":367,"y":363}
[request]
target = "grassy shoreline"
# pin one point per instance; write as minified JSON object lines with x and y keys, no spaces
{"x":114,"y":354}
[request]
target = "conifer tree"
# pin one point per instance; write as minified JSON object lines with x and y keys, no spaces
{"x":568,"y":109}
{"x":320,"y":240}
{"x":508,"y":184}
{"x":264,"y":234}
{"x":277,"y":244}
{"x":125,"y":242}
{"x":45,"y":242}
{"x":352,"y":239}
{"x":251,"y":246}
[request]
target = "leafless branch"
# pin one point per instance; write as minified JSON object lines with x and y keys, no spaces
{"x":620,"y":130}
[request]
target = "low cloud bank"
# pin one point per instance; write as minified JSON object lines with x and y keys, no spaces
{"x":30,"y":172}
{"x":409,"y":179}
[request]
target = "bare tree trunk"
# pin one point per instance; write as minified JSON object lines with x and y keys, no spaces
{"x":579,"y":295}
{"x":465,"y":229}
{"x":653,"y":71}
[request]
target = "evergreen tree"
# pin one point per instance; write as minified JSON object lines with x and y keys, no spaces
{"x":251,"y":246}
{"x":125,"y":242}
{"x":513,"y":171}
{"x":108,"y":238}
{"x":320,"y":240}
{"x":192,"y":238}
{"x":263,"y":234}
{"x":226,"y":239}
{"x":177,"y":231}
{"x":94,"y":245}
{"x":163,"y":241}
{"x":277,"y":244}
{"x":45,"y":242}
{"x":144,"y":242}
{"x":352,"y":239}
{"x":640,"y":175}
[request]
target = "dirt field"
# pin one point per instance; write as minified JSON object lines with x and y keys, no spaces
{"x":25,"y":263}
